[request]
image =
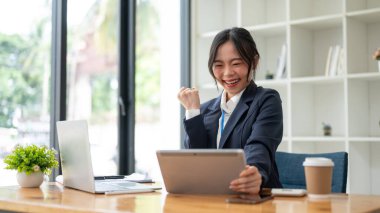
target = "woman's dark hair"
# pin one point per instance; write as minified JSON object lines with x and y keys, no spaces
{"x":244,"y":44}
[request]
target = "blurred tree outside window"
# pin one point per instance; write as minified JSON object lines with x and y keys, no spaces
{"x":93,"y":81}
{"x":157,"y":82}
{"x":92,"y":76}
{"x":25,"y":43}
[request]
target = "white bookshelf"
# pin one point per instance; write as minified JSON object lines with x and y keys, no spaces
{"x":349,"y":101}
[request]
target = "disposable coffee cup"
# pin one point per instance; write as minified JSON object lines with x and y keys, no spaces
{"x":318,"y":173}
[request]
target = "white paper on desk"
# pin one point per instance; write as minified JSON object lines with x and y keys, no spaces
{"x":59,"y":179}
{"x":137,"y":177}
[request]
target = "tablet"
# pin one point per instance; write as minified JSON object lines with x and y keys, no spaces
{"x":200,"y":171}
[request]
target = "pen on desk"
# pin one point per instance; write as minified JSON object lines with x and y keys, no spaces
{"x":115,"y":177}
{"x":109,"y":177}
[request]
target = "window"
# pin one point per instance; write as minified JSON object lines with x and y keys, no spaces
{"x":92,"y":79}
{"x":157,"y":82}
{"x":25,"y":43}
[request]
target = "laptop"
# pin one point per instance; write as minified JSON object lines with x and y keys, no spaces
{"x":200,"y":171}
{"x":76,"y":163}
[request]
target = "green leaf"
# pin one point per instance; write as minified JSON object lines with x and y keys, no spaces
{"x":24,"y":158}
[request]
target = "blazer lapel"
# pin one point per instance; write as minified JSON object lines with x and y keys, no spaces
{"x":212,"y":121}
{"x":240,"y":109}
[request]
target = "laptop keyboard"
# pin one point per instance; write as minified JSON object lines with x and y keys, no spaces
{"x":111,"y":185}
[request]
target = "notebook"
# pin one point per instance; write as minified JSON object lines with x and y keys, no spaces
{"x":76,"y":163}
{"x":200,"y":171}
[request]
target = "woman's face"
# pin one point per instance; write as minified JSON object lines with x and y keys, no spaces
{"x":230,"y":70}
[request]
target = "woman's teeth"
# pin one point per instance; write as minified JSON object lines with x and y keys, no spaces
{"x":232,"y":82}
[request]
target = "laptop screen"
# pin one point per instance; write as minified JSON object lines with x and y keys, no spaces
{"x":75,"y":155}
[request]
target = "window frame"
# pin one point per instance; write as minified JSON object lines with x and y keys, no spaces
{"x":185,"y":55}
{"x":126,"y":99}
{"x":127,"y":60}
{"x":58,"y":72}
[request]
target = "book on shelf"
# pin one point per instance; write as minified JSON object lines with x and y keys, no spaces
{"x":340,"y":66}
{"x":334,"y":62}
{"x":281,"y":63}
{"x":328,"y":61}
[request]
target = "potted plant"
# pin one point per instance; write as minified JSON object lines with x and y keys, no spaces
{"x":326,"y":129}
{"x":31,"y":163}
{"x":268,"y":75}
{"x":376,"y":56}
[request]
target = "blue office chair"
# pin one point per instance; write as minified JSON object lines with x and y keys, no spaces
{"x":292,"y":173}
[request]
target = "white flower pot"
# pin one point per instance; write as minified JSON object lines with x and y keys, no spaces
{"x":35,"y":179}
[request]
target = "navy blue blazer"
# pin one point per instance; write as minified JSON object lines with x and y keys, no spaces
{"x":255,"y":126}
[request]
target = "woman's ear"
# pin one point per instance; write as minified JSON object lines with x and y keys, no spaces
{"x":255,"y":61}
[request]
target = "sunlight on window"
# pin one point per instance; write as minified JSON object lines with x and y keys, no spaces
{"x":92,"y":79}
{"x":157,"y":82}
{"x":24,"y":77}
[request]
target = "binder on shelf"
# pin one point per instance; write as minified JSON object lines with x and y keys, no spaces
{"x":328,"y":61}
{"x":334,"y":62}
{"x":281,"y":63}
{"x":340,"y":66}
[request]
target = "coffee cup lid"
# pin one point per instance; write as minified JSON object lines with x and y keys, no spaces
{"x":318,"y":161}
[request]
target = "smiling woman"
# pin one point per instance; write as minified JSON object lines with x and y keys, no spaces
{"x":230,"y":70}
{"x":244,"y":116}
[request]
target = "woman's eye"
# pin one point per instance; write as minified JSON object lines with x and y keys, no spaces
{"x":236,"y":64}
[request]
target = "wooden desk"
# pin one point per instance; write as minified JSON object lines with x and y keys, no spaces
{"x":54,"y":198}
